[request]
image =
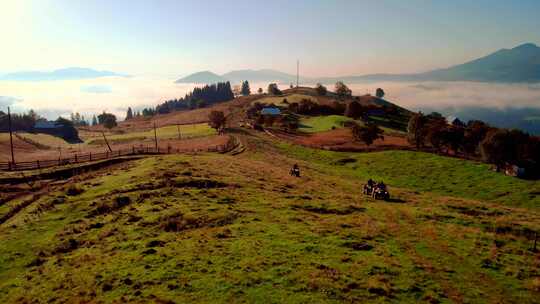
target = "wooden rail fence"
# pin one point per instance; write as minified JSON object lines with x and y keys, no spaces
{"x":89,"y":157}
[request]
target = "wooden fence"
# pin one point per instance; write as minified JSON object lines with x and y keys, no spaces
{"x":89,"y":157}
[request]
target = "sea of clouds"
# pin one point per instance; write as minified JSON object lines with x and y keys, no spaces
{"x":115,"y":94}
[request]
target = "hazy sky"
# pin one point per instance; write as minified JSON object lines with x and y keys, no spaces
{"x":175,"y":38}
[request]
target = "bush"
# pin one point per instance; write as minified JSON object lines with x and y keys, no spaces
{"x":321,"y":90}
{"x":273,"y":89}
{"x":367,"y":134}
{"x":217,"y":119}
{"x":342,"y":90}
{"x":74,"y":190}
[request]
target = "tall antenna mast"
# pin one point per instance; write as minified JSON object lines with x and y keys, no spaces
{"x":297,"y":72}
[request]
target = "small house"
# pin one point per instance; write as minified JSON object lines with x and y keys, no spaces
{"x":270,"y":111}
{"x":45,"y":125}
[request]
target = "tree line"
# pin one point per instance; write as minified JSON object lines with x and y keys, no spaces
{"x":476,"y":139}
{"x":200,"y":97}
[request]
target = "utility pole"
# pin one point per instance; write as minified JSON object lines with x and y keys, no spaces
{"x":297,"y":73}
{"x":107,"y":142}
{"x":11,"y":137}
{"x":155,"y":136}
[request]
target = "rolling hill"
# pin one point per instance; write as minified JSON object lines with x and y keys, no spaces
{"x":202,"y":77}
{"x":517,"y":65}
{"x":219,"y":228}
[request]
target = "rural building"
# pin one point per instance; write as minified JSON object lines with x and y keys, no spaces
{"x":271,"y":111}
{"x":45,"y":125}
{"x":57,"y":128}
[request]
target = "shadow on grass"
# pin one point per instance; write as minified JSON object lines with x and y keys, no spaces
{"x":395,"y":200}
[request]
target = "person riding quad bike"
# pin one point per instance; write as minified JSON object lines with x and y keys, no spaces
{"x":380,"y":192}
{"x":295,"y":171}
{"x":368,"y":188}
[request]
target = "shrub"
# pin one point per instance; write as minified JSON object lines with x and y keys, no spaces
{"x":368,"y":134}
{"x":217,"y":119}
{"x":74,"y":190}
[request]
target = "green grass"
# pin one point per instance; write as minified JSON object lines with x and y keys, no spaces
{"x":264,"y":236}
{"x":167,"y":132}
{"x":322,"y":123}
{"x":429,"y":172}
{"x":47,"y":140}
{"x":278,"y":100}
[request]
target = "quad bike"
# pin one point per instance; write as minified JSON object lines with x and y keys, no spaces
{"x":379,"y":193}
{"x":295,"y":172}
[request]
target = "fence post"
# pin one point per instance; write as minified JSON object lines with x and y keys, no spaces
{"x":76,"y":158}
{"x":90,"y":156}
{"x":132,"y":149}
{"x":9,"y":166}
{"x":38,"y":166}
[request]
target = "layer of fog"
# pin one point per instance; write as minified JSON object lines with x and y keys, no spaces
{"x":115,"y":94}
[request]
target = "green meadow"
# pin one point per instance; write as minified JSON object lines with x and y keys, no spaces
{"x":220,"y":228}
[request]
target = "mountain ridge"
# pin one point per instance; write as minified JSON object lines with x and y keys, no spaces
{"x":70,"y":73}
{"x":520,"y":64}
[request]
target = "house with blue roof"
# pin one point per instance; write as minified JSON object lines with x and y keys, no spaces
{"x":271,"y":111}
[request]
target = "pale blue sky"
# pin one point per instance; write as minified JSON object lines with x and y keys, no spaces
{"x":175,"y":38}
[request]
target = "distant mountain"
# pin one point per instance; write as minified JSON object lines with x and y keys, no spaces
{"x":520,"y":64}
{"x":241,"y":75}
{"x":259,"y":76}
{"x":61,"y":74}
{"x":202,"y":77}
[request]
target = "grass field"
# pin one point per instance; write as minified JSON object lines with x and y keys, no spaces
{"x":46,"y":140}
{"x":278,"y":100}
{"x":218,"y":228}
{"x":428,"y":172}
{"x":167,"y":132}
{"x":322,"y":123}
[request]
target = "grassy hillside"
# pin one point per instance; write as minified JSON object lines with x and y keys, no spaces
{"x":46,"y":140}
{"x":278,"y":100}
{"x":322,"y":123}
{"x":427,"y":172}
{"x":167,"y":132}
{"x":218,"y":228}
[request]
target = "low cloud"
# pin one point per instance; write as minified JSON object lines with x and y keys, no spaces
{"x":96,"y":95}
{"x":441,"y":95}
{"x":96,"y":89}
{"x":6,"y":101}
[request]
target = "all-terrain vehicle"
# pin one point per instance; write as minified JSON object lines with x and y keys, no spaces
{"x":381,"y":193}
